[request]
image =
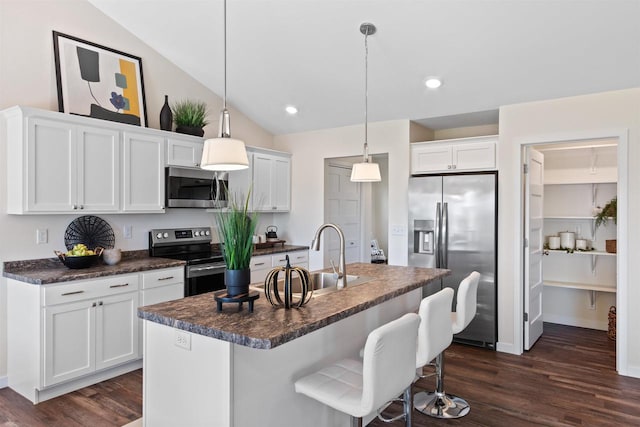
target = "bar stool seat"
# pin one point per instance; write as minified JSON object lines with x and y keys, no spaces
{"x":438,"y":404}
{"x":358,"y":388}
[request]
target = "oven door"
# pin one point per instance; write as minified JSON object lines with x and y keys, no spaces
{"x":202,"y":278}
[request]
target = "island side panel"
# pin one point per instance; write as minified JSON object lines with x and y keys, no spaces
{"x":263,"y":380}
{"x":185,"y":386}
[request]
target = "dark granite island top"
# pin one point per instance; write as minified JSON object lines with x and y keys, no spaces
{"x":268,"y":327}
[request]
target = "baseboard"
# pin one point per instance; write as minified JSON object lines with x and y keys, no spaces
{"x":580,"y":323}
{"x":633,"y":371}
{"x":4,"y":382}
{"x":507,"y":348}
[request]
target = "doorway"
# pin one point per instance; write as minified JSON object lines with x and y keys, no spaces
{"x":359,"y":209}
{"x":580,"y":276}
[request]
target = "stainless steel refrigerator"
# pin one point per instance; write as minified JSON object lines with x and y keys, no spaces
{"x":453,"y":224}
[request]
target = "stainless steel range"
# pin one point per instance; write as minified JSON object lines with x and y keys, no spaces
{"x":205,"y":267}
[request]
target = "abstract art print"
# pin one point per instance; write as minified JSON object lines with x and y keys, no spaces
{"x":99,"y":82}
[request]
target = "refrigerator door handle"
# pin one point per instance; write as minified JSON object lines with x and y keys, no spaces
{"x":445,"y":235}
{"x":437,"y":237}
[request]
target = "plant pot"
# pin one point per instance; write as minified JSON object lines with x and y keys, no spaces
{"x":611,"y":246}
{"x":190,"y":130}
{"x":237,"y":281}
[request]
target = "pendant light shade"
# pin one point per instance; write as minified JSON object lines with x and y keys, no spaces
{"x":224,"y":153}
{"x":366,"y":171}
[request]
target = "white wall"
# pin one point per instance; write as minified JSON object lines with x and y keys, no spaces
{"x":555,"y":120}
{"x":27,"y":77}
{"x":309,"y":149}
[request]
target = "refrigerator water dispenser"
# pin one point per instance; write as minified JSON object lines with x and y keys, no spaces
{"x":423,"y":236}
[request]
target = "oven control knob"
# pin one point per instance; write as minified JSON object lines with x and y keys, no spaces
{"x":207,"y":233}
{"x":159,"y":235}
{"x":197,"y":233}
{"x":165,"y":235}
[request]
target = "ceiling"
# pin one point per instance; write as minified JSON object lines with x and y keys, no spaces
{"x":310,"y":53}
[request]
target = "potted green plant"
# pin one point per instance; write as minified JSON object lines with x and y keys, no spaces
{"x":609,"y":211}
{"x":190,"y":117}
{"x":236,"y":227}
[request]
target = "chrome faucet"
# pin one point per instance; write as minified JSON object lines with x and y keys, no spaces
{"x":315,"y":245}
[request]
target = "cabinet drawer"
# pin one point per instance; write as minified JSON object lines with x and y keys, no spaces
{"x":295,"y":258}
{"x":261,"y":262}
{"x":156,"y":278}
{"x":88,"y":289}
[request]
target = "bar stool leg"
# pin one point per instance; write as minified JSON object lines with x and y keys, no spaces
{"x":438,"y":404}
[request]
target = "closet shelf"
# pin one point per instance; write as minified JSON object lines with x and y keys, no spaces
{"x":583,"y":286}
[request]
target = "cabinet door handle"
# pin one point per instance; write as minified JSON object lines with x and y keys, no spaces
{"x":119,"y":286}
{"x":72,"y":293}
{"x":166,"y":278}
{"x":448,"y":166}
{"x":300,"y":257}
{"x":75,"y":207}
{"x":259,"y":263}
{"x":94,"y":304}
{"x":100,"y":303}
{"x":81,"y":206}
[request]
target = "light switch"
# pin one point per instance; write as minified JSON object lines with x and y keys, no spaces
{"x":42,"y":236}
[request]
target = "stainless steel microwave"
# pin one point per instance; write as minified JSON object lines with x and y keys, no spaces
{"x":195,"y":188}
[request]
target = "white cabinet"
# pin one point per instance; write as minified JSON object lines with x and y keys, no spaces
{"x":184,"y":152}
{"x":271,"y":182}
{"x":66,"y":168}
{"x":143,"y":178}
{"x":59,"y":164}
{"x":263,"y":264}
{"x":268,"y":177}
{"x":455,"y":155}
{"x":117,"y":329}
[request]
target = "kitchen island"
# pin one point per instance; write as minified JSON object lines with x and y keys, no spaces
{"x":235,"y":368}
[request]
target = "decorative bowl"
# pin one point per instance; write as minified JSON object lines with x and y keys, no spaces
{"x":77,"y":262}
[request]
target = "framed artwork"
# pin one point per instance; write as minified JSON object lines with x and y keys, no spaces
{"x":99,"y":82}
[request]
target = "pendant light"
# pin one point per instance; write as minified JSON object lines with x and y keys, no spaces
{"x":224,"y":153}
{"x":366,"y":171}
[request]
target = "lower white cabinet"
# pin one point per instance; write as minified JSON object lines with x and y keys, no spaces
{"x":65,"y":336}
{"x":263,"y":264}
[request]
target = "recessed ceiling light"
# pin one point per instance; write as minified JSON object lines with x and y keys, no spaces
{"x":433,"y":82}
{"x":291,"y":109}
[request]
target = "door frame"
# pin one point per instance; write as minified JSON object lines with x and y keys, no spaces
{"x":621,"y":135}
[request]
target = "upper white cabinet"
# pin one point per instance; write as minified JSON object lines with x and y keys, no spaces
{"x":143,"y":178}
{"x":268,"y":177}
{"x":184,"y":151}
{"x":271,"y":182}
{"x":60,"y":163}
{"x":454,"y":155}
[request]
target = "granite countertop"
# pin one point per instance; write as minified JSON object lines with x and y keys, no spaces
{"x":268,"y":327}
{"x":51,"y":270}
{"x":279,"y":249}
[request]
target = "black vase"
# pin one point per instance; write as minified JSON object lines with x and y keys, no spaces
{"x":190,"y":130}
{"x":237,"y":281}
{"x":166,"y":116}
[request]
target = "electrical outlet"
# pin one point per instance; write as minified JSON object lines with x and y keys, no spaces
{"x":127,"y":231}
{"x":42,"y":236}
{"x":183,"y":339}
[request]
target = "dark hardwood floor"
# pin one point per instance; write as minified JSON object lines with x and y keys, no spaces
{"x":567,"y":379}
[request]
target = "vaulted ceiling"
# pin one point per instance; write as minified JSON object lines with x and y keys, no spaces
{"x":310,"y":53}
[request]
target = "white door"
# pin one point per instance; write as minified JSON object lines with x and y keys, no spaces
{"x":51,"y":166}
{"x":533,"y":223}
{"x":262,"y":196}
{"x":342,"y":207}
{"x":184,"y":153}
{"x":98,"y":169}
{"x":69,"y":341}
{"x":280,"y":187}
{"x":117,"y":330}
{"x":143,"y":180}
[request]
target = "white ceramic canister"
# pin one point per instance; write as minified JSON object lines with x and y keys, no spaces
{"x":567,"y":240}
{"x":111,"y":256}
{"x":581,"y":244}
{"x":554,"y":242}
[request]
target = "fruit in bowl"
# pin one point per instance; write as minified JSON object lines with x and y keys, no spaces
{"x":79,"y":256}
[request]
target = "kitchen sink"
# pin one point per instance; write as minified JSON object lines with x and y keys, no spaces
{"x":321,"y":283}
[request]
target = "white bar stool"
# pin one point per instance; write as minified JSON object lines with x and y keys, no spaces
{"x":438,"y":404}
{"x":387,"y":370}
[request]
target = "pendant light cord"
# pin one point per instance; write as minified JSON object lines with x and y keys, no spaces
{"x":224,"y":93}
{"x":366,"y":94}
